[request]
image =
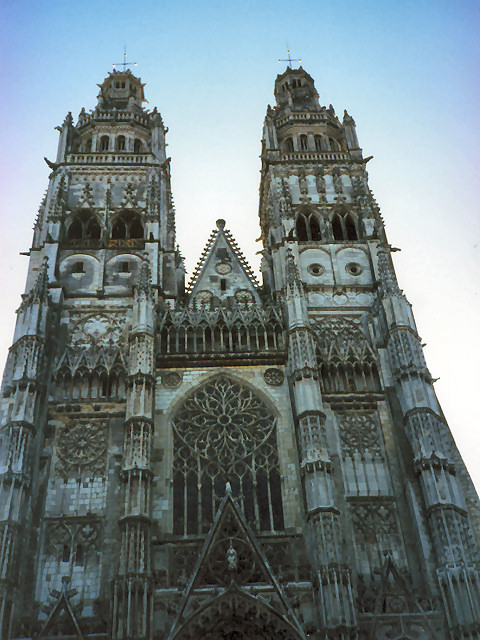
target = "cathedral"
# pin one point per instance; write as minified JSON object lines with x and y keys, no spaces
{"x":228,"y":458}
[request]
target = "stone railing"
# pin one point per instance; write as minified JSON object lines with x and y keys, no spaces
{"x":111,"y":158}
{"x":85,"y":118}
{"x":315,"y":155}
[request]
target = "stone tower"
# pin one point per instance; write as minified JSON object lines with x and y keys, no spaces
{"x":226,"y":460}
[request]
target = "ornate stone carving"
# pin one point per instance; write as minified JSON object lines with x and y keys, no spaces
{"x":224,"y":432}
{"x":223,"y":268}
{"x":97,"y":328}
{"x":172,"y":379}
{"x":274,"y":377}
{"x":243,"y":296}
{"x":224,"y":423}
{"x":340,"y":331}
{"x":359,"y":435}
{"x":81,"y":448}
{"x":70,"y":532}
{"x":372,"y":520}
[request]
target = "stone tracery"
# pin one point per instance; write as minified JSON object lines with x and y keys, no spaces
{"x":223,"y":431}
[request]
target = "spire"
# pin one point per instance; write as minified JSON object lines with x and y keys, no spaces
{"x":40,"y":288}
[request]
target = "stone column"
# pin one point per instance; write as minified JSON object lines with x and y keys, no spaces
{"x":336,"y":604}
{"x":24,"y":392}
{"x":435,"y":461}
{"x":133,"y":600}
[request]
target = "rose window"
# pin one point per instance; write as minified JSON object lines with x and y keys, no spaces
{"x":224,"y":433}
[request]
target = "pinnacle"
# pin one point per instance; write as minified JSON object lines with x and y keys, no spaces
{"x":41,"y":284}
{"x":145,"y":279}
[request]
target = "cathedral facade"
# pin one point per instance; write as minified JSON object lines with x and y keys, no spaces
{"x":228,"y":460}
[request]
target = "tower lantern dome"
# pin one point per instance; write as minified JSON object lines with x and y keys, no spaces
{"x":121,"y":90}
{"x":296,"y":88}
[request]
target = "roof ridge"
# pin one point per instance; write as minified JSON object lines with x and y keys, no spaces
{"x":201,"y":260}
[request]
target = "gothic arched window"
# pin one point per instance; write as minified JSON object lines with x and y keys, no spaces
{"x":308,"y":227}
{"x":337,"y":227}
{"x":84,"y":226}
{"x":318,"y":143}
{"x":224,"y":433}
{"x":137,"y":145}
{"x":303,"y":143}
{"x":127,"y":226}
{"x":344,"y":227}
{"x":288,"y":145}
{"x":334,"y":146}
{"x":350,"y":228}
{"x":301,"y":227}
{"x":121,"y":143}
{"x":104,"y":143}
{"x":315,"y":232}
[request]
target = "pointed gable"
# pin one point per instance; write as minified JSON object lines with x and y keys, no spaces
{"x":396,"y":596}
{"x":62,"y":613}
{"x":222,"y":271}
{"x":232,"y":561}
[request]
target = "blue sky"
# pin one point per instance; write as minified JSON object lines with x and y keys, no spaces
{"x":407,"y":72}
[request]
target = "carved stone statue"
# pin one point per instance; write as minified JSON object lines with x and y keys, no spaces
{"x":232,"y":559}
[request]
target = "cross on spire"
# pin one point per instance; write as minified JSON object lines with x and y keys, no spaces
{"x":289,"y":59}
{"x":124,"y":64}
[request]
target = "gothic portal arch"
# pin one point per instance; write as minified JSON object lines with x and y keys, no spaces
{"x":223,"y":431}
{"x":236,"y":615}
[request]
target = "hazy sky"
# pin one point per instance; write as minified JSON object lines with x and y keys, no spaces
{"x":407,"y":71}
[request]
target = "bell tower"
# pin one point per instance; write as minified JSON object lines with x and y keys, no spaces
{"x":80,"y":367}
{"x":229,"y":459}
{"x":359,"y":382}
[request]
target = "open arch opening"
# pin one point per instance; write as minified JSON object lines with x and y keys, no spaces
{"x":84,"y":226}
{"x":127,"y":226}
{"x":308,"y":227}
{"x":104,"y":143}
{"x":344,"y":227}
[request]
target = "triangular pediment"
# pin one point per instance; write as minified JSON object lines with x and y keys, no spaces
{"x":397,"y":597}
{"x":61,"y":619}
{"x":231,"y":562}
{"x":223,"y":272}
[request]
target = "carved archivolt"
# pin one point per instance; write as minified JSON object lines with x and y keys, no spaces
{"x":236,"y":616}
{"x":81,"y":448}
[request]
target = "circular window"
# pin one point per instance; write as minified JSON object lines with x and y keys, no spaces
{"x":204,"y":296}
{"x":243,"y":295}
{"x":354,"y":269}
{"x":316,"y":269}
{"x":223,"y":268}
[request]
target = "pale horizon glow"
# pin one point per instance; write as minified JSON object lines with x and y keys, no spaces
{"x":407,"y":73}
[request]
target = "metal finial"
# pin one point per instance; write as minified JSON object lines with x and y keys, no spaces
{"x":124,"y":64}
{"x":289,"y":59}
